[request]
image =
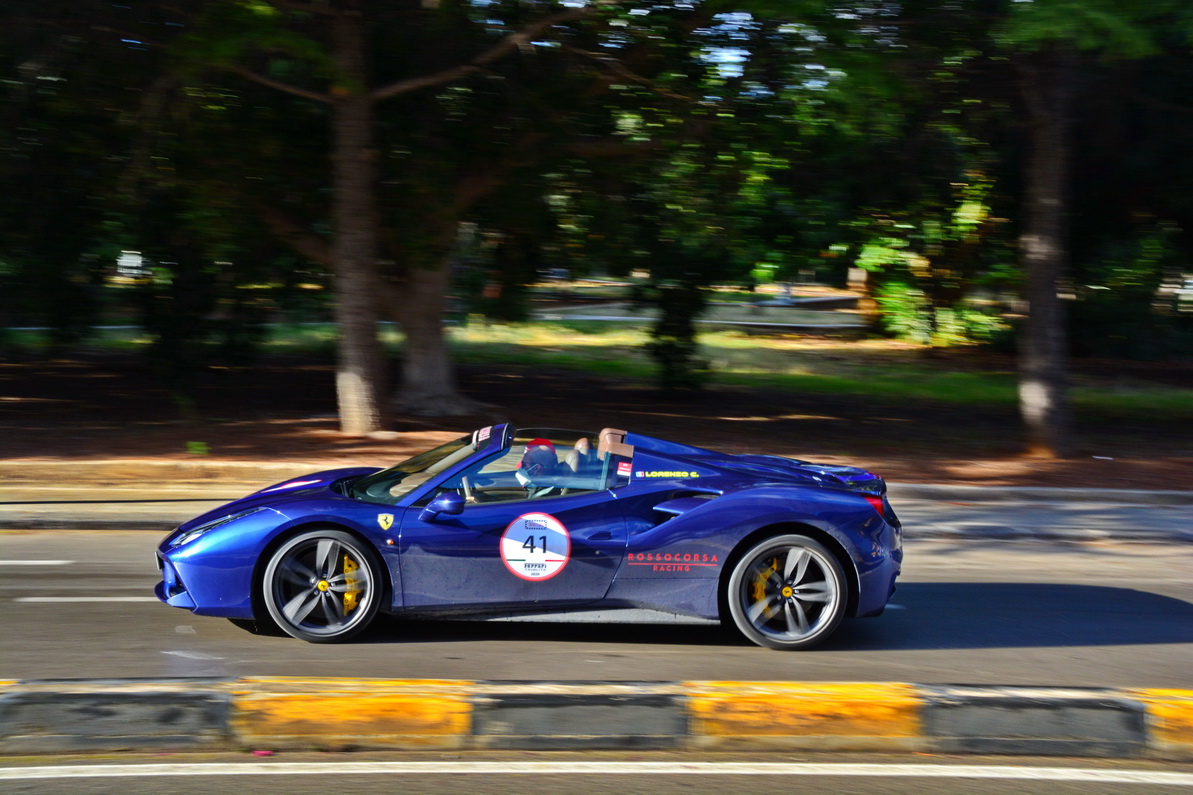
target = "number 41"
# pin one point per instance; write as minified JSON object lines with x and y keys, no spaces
{"x":529,"y":544}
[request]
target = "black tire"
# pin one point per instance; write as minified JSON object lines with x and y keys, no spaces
{"x":787,"y":592}
{"x":312,"y":590}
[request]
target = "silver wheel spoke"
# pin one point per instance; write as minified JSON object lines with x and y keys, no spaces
{"x":797,"y":559}
{"x":333,"y":611}
{"x":814,"y":592}
{"x":325,"y":561}
{"x":797,"y":619}
{"x":295,"y":573}
{"x":758,"y":608}
{"x":300,"y":606}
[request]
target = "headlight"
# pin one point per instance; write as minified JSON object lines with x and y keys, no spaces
{"x":195,"y":532}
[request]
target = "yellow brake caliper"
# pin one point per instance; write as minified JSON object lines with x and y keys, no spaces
{"x":353,"y":593}
{"x":759,"y":588}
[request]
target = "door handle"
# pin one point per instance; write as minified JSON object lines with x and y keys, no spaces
{"x":600,"y":535}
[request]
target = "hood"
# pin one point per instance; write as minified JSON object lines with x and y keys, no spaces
{"x":277,"y":495}
{"x":316,"y":481}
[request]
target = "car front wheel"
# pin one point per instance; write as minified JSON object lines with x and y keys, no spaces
{"x":787,"y":592}
{"x":322,"y":586}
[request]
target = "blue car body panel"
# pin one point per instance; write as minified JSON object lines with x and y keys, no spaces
{"x":653,"y":524}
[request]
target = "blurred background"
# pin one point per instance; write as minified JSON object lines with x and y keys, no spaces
{"x":883,"y":228}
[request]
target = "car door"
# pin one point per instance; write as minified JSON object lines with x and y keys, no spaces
{"x":521,"y":551}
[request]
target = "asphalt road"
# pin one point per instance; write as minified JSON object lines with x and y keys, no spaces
{"x":80,"y":605}
{"x":620,"y":774}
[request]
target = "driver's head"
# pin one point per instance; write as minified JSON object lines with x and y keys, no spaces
{"x":539,"y":458}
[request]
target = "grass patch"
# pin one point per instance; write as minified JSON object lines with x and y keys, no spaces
{"x":884,"y":371}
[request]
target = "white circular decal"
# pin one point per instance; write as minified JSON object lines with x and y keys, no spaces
{"x":535,"y":546}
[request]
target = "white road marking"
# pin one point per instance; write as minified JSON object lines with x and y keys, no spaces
{"x":75,"y":599}
{"x":457,"y":767}
{"x":36,"y":562}
{"x":192,"y":655}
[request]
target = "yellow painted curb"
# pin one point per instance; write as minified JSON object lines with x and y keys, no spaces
{"x":1170,"y":720}
{"x":821,"y":715}
{"x":370,"y":713}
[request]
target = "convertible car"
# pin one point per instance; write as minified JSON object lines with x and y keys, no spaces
{"x":547,"y":524}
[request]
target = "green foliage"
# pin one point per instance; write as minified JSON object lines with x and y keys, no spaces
{"x":1116,"y":28}
{"x":908,"y":314}
{"x":229,"y":33}
{"x":198,"y":448}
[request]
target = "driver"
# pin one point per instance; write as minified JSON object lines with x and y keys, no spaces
{"x":537,"y":462}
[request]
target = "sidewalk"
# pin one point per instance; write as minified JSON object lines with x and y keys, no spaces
{"x":121,"y":494}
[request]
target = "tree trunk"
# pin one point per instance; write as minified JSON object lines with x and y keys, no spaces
{"x":428,"y":379}
{"x":1048,"y":82}
{"x":360,"y":369}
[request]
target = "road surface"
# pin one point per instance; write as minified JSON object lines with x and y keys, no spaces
{"x":80,"y":605}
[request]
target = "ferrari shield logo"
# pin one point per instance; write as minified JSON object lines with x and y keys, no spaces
{"x":386,"y":520}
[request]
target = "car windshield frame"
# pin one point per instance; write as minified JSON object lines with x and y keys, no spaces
{"x":395,"y":484}
{"x":390,"y":485}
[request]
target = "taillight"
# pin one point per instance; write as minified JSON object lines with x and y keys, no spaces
{"x":875,"y":503}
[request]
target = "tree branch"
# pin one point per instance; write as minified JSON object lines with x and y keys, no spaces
{"x":621,"y":69}
{"x":249,"y":74}
{"x":516,"y":40}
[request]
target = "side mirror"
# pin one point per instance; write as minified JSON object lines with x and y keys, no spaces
{"x":448,"y":503}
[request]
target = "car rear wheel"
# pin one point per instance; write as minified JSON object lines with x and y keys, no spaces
{"x":788,"y":592}
{"x":322,"y":586}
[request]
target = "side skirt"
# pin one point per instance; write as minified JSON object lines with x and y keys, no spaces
{"x":616,"y":615}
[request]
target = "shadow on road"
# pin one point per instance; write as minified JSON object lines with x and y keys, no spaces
{"x":438,"y":631}
{"x":964,"y":615}
{"x":950,"y":615}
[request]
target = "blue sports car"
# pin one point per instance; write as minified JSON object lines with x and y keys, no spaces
{"x":548,"y":524}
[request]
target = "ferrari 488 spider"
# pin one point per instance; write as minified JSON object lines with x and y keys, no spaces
{"x":529,"y":524}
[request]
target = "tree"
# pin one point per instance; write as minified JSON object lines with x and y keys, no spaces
{"x":1050,"y":47}
{"x":1049,"y":42}
{"x":340,"y":73}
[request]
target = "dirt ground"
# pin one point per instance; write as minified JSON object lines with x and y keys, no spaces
{"x":103,"y":406}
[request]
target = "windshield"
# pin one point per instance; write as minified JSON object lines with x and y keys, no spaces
{"x":388,"y":485}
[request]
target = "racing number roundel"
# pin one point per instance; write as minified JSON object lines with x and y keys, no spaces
{"x":535,"y":546}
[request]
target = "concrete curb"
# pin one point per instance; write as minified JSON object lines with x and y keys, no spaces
{"x":282,"y":713}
